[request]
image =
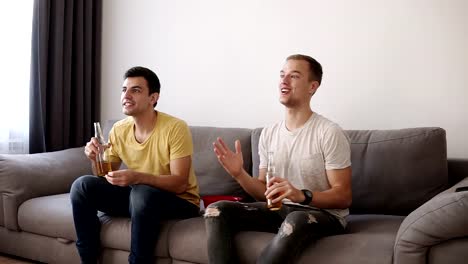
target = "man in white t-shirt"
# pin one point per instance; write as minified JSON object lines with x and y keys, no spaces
{"x":312,"y":177}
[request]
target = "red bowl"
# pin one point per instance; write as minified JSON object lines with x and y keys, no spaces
{"x":208,"y":199}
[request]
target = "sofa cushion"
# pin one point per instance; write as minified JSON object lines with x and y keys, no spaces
{"x":49,"y":215}
{"x":442,"y":218}
{"x":368,"y":239}
{"x":211,"y":176}
{"x":396,"y":171}
{"x":451,"y":251}
{"x":116,"y":233}
{"x":187,"y":241}
{"x":52,"y":216}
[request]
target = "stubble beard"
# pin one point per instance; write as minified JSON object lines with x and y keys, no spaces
{"x":128,"y":112}
{"x":289,"y":103}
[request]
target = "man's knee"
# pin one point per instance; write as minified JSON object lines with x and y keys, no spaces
{"x":215,"y":209}
{"x":301,"y":217}
{"x":80,"y":186}
{"x":295,"y":220}
{"x":144,"y":197}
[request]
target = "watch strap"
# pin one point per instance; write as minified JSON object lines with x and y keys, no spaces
{"x":308,"y":197}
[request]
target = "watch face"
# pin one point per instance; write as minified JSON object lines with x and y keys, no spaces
{"x":308,"y":196}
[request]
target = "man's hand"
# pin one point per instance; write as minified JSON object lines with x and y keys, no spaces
{"x":232,"y":162}
{"x":280,"y":188}
{"x":123,"y":177}
{"x":91,"y":149}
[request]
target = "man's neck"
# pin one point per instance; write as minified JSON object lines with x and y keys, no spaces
{"x":297,"y":117}
{"x":145,"y":123}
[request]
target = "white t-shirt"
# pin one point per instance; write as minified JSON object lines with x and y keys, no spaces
{"x":302,"y":156}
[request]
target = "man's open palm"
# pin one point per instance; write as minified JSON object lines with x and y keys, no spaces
{"x":232,"y":162}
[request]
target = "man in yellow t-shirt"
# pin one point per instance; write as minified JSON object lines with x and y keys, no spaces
{"x":159,"y":183}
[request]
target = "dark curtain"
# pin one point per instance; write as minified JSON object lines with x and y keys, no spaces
{"x":65,"y":73}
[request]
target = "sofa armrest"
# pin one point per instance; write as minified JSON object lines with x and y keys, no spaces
{"x":442,"y":218}
{"x":27,"y":176}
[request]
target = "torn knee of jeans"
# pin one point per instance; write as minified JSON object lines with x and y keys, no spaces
{"x":311,"y":219}
{"x":212,"y":212}
{"x":286,"y":229}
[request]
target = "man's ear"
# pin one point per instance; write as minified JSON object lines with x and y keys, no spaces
{"x":313,"y":87}
{"x":154,"y":97}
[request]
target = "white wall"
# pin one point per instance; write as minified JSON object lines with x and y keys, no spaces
{"x":387,"y":64}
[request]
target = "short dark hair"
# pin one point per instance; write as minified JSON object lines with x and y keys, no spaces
{"x":315,"y":73}
{"x":151,"y":78}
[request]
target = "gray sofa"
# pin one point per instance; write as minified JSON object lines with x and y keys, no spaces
{"x":404,"y":206}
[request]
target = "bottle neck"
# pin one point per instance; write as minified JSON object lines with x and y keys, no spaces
{"x":98,"y":133}
{"x":270,"y":164}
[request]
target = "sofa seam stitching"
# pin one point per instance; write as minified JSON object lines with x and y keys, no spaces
{"x":406,"y":229}
{"x":392,"y":139}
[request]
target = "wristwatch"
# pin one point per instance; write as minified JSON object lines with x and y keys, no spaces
{"x":308,"y":197}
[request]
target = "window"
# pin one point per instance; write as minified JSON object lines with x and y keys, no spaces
{"x":15,"y":54}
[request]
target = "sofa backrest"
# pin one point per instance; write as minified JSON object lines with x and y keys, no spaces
{"x":394,"y":171}
{"x":255,"y":157}
{"x":211,"y":176}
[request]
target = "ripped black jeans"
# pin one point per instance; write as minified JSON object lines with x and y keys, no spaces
{"x":295,"y":226}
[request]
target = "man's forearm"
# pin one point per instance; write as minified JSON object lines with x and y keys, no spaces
{"x":332,"y":198}
{"x":253,"y":186}
{"x":170,"y":183}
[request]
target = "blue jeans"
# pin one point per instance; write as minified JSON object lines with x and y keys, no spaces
{"x":145,"y":205}
{"x":295,"y":226}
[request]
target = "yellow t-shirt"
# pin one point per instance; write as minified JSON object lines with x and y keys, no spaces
{"x":171,"y":139}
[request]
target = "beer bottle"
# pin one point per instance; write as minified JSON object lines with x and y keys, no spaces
{"x":271,"y":171}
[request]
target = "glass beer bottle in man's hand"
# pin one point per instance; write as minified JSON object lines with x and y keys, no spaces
{"x":270,"y":174}
{"x":103,"y":164}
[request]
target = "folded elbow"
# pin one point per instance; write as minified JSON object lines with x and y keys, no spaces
{"x":345,"y":204}
{"x":344,"y":201}
{"x":347,"y":201}
{"x":181,"y":188}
